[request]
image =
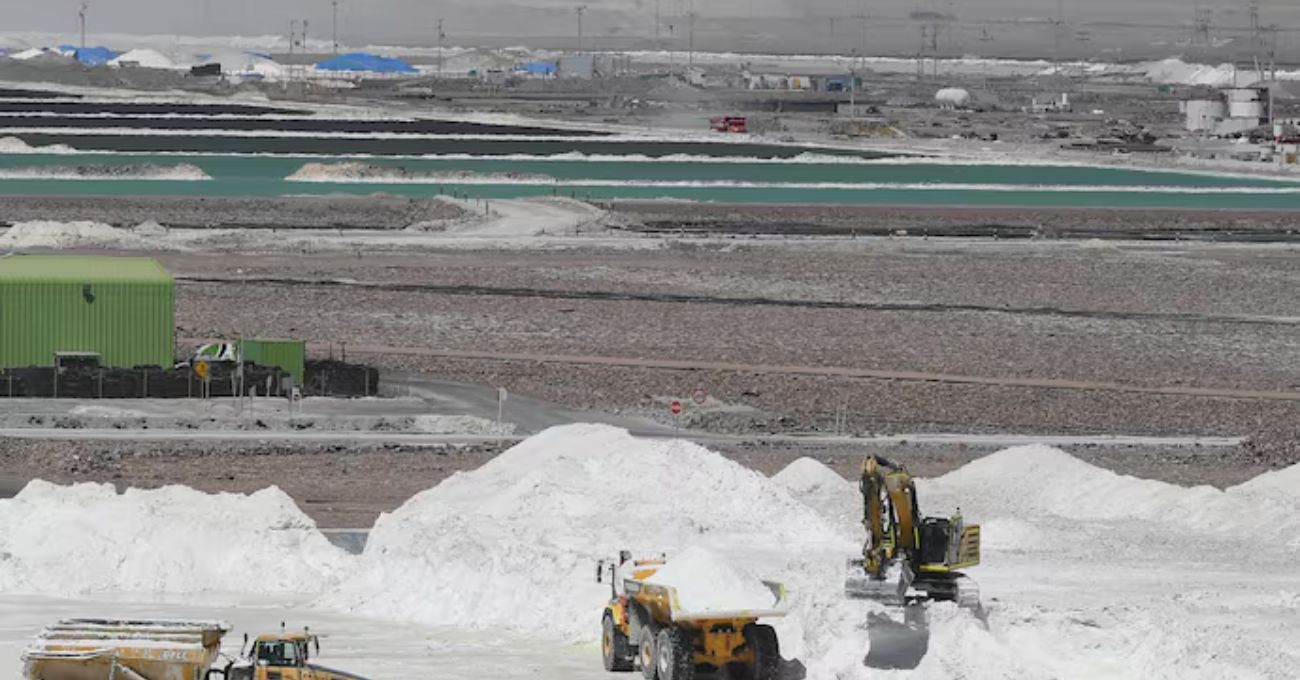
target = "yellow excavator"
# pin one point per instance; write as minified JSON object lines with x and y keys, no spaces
{"x":907,"y":557}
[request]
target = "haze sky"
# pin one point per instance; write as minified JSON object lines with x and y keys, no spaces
{"x":413,"y":21}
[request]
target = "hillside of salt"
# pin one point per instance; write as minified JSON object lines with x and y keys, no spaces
{"x":514,"y":544}
{"x":88,"y":539}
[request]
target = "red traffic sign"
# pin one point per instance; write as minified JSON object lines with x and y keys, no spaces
{"x":675,"y":408}
{"x":700,"y":395}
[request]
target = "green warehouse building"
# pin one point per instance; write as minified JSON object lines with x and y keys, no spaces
{"x":120,"y":308}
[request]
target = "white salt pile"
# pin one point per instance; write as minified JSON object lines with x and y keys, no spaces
{"x":15,"y":145}
{"x":708,"y":582}
{"x":61,"y":235}
{"x":1041,"y":481}
{"x":85,"y":539}
{"x":836,"y":498}
{"x":514,"y":544}
{"x":145,"y":58}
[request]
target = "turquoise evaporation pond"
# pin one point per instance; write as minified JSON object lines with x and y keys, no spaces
{"x":243,"y":175}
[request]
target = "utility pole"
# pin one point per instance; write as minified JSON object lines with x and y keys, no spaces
{"x":335,"y":5}
{"x":853,"y":88}
{"x":690,"y":42}
{"x":82,"y":15}
{"x":658,"y":19}
{"x":582,"y":9}
{"x":441,"y":36}
{"x":293,"y":43}
{"x":1060,"y":29}
{"x":304,"y":36}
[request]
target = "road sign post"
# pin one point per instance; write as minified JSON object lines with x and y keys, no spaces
{"x":675,"y":408}
{"x":502,"y":395}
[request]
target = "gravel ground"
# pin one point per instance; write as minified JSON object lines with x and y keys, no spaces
{"x":339,"y":486}
{"x":1199,"y":317}
{"x":281,"y":212}
{"x":1047,"y":222}
{"x":1195,"y":332}
{"x":781,"y":403}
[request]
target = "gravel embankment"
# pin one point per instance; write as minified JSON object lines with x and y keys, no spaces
{"x":280,"y":212}
{"x":1005,"y":222}
{"x":1187,"y":317}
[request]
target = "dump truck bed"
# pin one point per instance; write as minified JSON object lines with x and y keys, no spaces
{"x":110,"y":649}
{"x":664,"y":601}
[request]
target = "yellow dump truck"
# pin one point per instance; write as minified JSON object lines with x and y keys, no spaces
{"x":108,"y":649}
{"x":645,"y":625}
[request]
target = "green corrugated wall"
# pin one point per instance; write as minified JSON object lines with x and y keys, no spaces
{"x":287,"y":355}
{"x":121,"y":308}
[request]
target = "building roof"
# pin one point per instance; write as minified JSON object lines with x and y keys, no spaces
{"x":82,"y":269}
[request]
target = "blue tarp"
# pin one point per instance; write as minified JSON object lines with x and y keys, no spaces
{"x":539,"y":68}
{"x":360,"y":61}
{"x":94,"y":56}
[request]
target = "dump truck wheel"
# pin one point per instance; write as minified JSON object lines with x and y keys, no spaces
{"x":675,"y":654}
{"x":614,"y":647}
{"x":762,"y":641}
{"x":646,"y":653}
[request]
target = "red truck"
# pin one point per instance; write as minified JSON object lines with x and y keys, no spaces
{"x":729,"y":124}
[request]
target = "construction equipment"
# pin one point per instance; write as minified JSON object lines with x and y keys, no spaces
{"x":907,"y":557}
{"x":733,"y":124}
{"x":109,"y":649}
{"x":645,"y":626}
{"x":285,"y":656}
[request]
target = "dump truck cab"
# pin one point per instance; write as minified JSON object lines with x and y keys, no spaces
{"x":285,"y":654}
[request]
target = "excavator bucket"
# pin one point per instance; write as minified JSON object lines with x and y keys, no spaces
{"x":892,"y":589}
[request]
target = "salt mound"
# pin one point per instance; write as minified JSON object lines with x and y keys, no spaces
{"x":1177,"y":72}
{"x":1038,"y":481}
{"x":706,"y":581}
{"x":144,"y":171}
{"x":29,"y":53}
{"x":86,"y":538}
{"x":17,"y":145}
{"x":514,"y":543}
{"x":144,"y":58}
{"x":834,"y":497}
{"x":809,"y":474}
{"x":1280,"y":485}
{"x":61,"y":235}
{"x":353,"y":171}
